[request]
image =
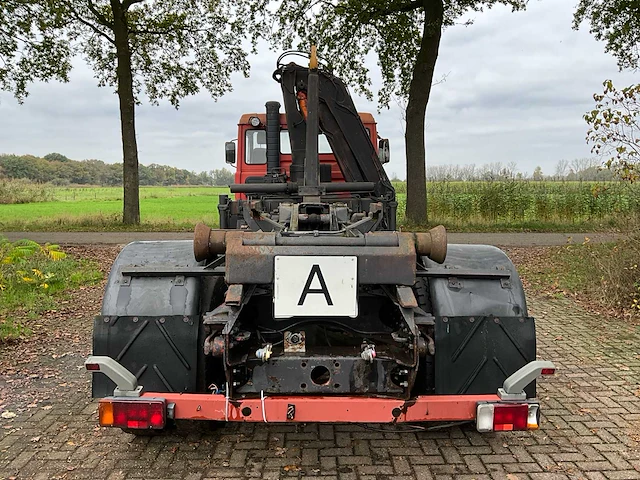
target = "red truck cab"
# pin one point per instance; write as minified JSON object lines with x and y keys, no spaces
{"x":250,"y":156}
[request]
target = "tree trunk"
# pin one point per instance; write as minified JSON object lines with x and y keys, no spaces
{"x":131,"y":208}
{"x":419,"y":92}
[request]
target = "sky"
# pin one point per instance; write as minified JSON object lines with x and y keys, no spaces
{"x":515,"y":88}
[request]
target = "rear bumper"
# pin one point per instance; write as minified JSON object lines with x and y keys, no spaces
{"x":130,"y":407}
{"x":341,"y":409}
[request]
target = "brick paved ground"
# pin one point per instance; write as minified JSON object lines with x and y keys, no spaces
{"x":591,"y":424}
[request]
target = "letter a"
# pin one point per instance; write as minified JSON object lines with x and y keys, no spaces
{"x":315,"y":270}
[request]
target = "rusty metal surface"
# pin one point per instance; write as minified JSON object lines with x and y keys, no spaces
{"x":214,"y":346}
{"x":406,"y":298}
{"x":294,"y":374}
{"x":384,"y":257}
{"x":432,"y":244}
{"x":294,"y":342}
{"x":207,"y":243}
{"x":234,"y":295}
{"x":254,"y":264}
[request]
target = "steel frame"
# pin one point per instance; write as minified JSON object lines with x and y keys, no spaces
{"x":334,"y":409}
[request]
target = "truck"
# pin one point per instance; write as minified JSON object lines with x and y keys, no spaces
{"x":309,"y":304}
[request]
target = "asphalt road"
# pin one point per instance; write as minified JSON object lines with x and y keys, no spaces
{"x":530,"y":239}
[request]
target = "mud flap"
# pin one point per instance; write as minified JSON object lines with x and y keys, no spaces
{"x":160,"y":351}
{"x":474,"y":355}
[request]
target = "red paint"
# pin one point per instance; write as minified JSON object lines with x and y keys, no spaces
{"x":191,"y":406}
{"x":244,"y":170}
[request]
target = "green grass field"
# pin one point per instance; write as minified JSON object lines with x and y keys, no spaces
{"x":100,"y":208}
{"x":460,"y":206}
{"x":74,"y":194}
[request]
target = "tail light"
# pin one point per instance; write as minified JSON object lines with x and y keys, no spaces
{"x":496,"y":417}
{"x":132,"y":413}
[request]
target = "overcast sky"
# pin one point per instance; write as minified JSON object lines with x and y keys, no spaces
{"x":517,"y":85}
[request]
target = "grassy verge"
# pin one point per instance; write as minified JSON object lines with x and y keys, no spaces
{"x":33,"y":278}
{"x":602,"y":276}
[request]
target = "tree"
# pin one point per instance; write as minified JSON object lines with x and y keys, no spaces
{"x":56,"y":157}
{"x":561,"y":169}
{"x":164,"y":49}
{"x":31,"y":46}
{"x":537,"y":174}
{"x":222,"y":176}
{"x":404,"y":35}
{"x":616,"y":22}
{"x":615,"y":129}
{"x":614,"y":122}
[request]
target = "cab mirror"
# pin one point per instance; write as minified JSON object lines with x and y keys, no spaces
{"x":383,"y":150}
{"x":230,"y":152}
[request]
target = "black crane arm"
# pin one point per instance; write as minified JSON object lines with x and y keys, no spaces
{"x":341,"y":124}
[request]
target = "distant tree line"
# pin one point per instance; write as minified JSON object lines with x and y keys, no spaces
{"x":57,"y":169}
{"x":585,"y":169}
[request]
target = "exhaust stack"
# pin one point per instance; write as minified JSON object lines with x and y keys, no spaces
{"x":273,"y":138}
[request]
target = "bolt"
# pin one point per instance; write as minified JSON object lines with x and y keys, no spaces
{"x":295,"y":338}
{"x":445,"y":319}
{"x":135,"y":319}
{"x":185,"y":319}
{"x":106,"y":319}
{"x":199,"y":408}
{"x":471,"y":319}
{"x":161,"y":320}
{"x":496,"y":320}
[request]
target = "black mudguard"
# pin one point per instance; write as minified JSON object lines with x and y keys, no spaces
{"x":151,"y":324}
{"x":483,"y":332}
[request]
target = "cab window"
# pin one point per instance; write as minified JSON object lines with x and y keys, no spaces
{"x":255,"y":147}
{"x":285,"y":144}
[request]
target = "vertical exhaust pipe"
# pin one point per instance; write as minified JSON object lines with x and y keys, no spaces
{"x":273,"y":137}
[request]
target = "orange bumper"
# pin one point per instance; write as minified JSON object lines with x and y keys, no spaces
{"x":324,"y":409}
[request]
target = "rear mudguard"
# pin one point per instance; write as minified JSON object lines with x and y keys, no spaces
{"x":150,"y":325}
{"x":483,"y":331}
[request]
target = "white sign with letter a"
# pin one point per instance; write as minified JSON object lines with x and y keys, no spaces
{"x":315,"y":286}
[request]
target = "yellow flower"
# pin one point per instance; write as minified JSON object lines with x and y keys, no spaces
{"x":27,"y":279}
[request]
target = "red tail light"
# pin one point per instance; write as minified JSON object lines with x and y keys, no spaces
{"x":141,"y":414}
{"x":510,"y":417}
{"x":548,"y":371}
{"x":496,"y":416}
